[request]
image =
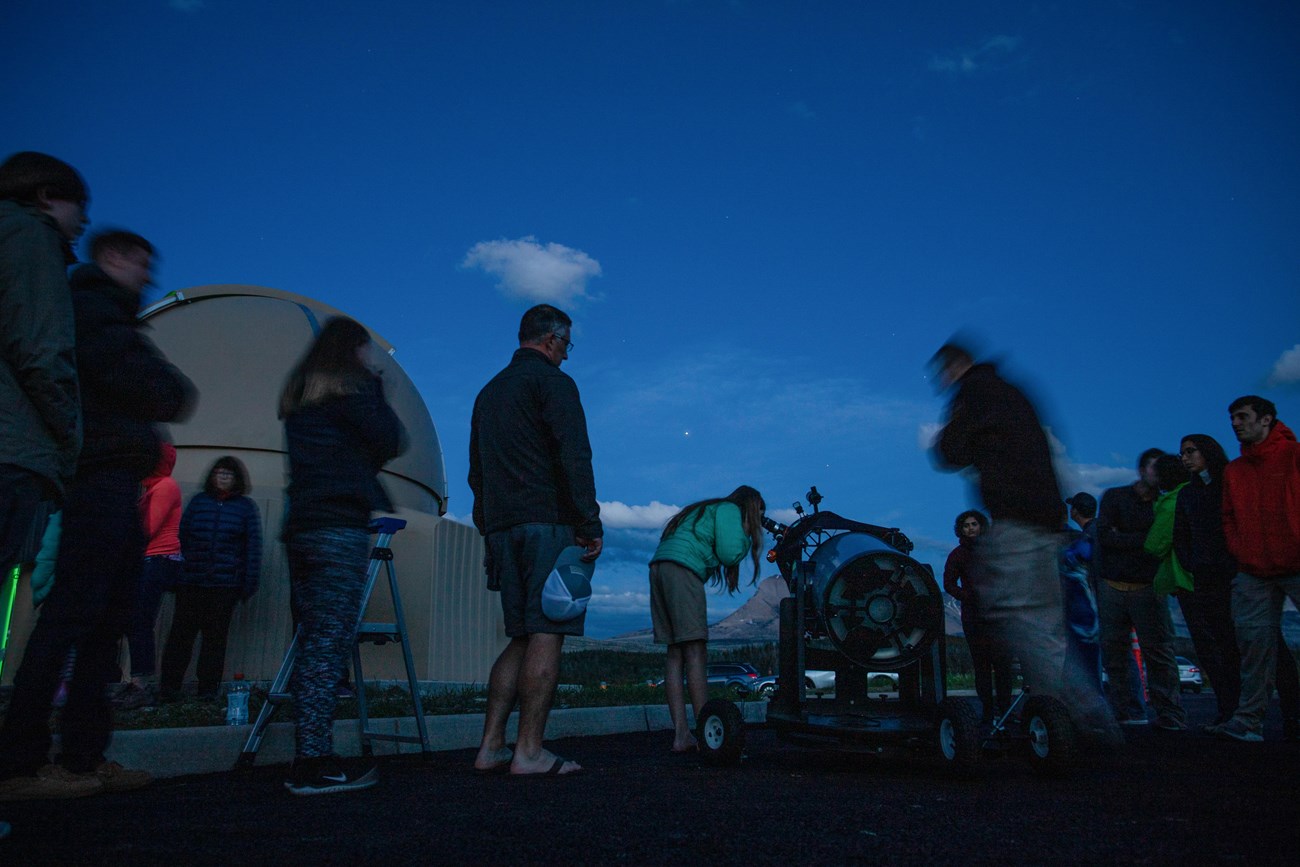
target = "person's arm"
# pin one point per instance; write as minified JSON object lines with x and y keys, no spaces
{"x":731,"y":543}
{"x":252,"y":548}
{"x":952,"y":576}
{"x":145,"y":385}
{"x":476,"y":473}
{"x":1183,"y":527}
{"x":37,"y":336}
{"x":1160,"y":537}
{"x":1231,"y":529}
{"x":563,"y":416}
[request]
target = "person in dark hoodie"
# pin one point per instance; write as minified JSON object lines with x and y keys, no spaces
{"x":1201,"y":548}
{"x":1128,"y":603}
{"x":221,"y":543}
{"x":1261,"y":524}
{"x":993,"y":427}
{"x":127,"y":386}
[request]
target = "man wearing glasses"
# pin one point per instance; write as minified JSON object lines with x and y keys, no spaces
{"x":534,"y":496}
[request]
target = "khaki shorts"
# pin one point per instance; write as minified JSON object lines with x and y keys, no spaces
{"x":677,"y":607}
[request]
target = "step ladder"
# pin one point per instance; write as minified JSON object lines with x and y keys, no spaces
{"x":375,"y":633}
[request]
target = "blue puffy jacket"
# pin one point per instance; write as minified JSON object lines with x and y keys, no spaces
{"x":221,"y":541}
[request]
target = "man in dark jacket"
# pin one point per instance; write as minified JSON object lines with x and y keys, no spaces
{"x":42,"y":211}
{"x":992,"y":427}
{"x":1261,"y":523}
{"x":1128,"y":603}
{"x":126,"y":387}
{"x":534,"y":496}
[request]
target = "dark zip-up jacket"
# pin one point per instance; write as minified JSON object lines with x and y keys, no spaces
{"x":221,"y":541}
{"x":126,"y":384}
{"x":1123,"y":520}
{"x":529,"y":457}
{"x":336,"y":450}
{"x":1198,"y":534}
{"x":40,"y":406}
{"x":993,"y":427}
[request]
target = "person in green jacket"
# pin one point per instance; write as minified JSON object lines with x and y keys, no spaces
{"x":1171,"y":576}
{"x":703,"y":542}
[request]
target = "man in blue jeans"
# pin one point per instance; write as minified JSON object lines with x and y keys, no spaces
{"x":534,"y":496}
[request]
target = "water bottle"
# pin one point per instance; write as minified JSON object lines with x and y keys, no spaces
{"x":237,"y":702}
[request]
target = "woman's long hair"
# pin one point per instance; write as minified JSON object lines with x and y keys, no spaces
{"x":751,"y":505}
{"x":329,"y":369}
{"x":1215,"y":457}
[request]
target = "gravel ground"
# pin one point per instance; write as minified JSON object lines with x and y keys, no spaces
{"x":1163,"y":799}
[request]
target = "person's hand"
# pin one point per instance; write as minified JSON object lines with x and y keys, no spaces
{"x":593,"y":546}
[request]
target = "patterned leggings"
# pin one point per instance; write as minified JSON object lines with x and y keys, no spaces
{"x":327,"y":576}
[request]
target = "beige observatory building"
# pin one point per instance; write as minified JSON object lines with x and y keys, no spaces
{"x":238,"y":343}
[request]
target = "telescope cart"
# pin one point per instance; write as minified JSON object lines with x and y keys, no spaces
{"x":860,"y":604}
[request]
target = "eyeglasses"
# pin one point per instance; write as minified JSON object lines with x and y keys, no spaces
{"x":568,"y":344}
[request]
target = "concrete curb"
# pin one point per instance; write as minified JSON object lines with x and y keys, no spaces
{"x":212,"y":749}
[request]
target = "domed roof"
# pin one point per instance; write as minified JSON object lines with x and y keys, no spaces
{"x":238,"y":343}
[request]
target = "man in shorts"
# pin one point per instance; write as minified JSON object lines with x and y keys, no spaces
{"x":534,"y":496}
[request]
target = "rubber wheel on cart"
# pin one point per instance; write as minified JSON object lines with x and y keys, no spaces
{"x":1053,"y":741}
{"x":959,"y":735}
{"x":720,"y":731}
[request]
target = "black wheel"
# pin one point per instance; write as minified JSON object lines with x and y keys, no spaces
{"x":720,"y":731}
{"x":959,"y":735}
{"x":1053,"y":742}
{"x":737,"y":690}
{"x":766,"y":690}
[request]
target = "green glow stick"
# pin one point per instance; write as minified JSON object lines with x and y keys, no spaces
{"x":9,"y":613}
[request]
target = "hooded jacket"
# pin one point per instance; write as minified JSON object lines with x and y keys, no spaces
{"x":993,"y":427}
{"x":1261,"y":505}
{"x":707,"y":541}
{"x":40,"y":409}
{"x":126,"y":383}
{"x":160,"y":506}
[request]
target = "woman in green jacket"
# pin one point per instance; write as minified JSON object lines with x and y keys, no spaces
{"x":703,"y":542}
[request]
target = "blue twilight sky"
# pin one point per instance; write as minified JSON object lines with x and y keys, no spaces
{"x":763,"y":216}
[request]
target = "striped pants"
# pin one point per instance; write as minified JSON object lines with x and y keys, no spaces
{"x":327,"y":577}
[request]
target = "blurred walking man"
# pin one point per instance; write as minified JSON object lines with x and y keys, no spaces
{"x":534,"y":496}
{"x":126,"y":386}
{"x":994,"y":428}
{"x":1261,"y":522}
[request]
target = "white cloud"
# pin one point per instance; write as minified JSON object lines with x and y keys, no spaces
{"x":622,"y":516}
{"x":1093,"y":478}
{"x":1286,"y":370}
{"x":970,"y":60}
{"x":525,"y":268}
{"x":186,"y":5}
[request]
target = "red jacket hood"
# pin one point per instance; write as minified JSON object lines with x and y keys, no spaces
{"x":166,"y":463}
{"x":1278,"y":434}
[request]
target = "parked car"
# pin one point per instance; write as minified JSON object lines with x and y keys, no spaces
{"x":818,"y":681}
{"x":737,"y":678}
{"x":1189,"y":675}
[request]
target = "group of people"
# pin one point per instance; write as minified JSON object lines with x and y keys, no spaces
{"x":83,"y":393}
{"x":1221,"y":536}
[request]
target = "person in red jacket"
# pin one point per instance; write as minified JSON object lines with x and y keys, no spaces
{"x":160,"y":514}
{"x":1261,"y":523}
